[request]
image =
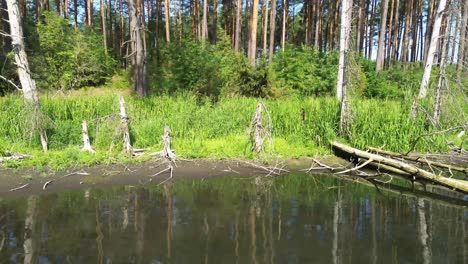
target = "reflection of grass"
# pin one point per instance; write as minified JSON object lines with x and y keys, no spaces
{"x":201,"y":128}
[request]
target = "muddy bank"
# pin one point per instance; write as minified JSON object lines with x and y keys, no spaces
{"x":21,"y":182}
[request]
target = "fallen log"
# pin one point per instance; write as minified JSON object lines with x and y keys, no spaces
{"x":418,"y":159}
{"x":458,"y":185}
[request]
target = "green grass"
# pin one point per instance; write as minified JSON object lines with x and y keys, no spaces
{"x":203,"y":129}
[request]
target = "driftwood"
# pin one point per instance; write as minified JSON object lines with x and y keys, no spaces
{"x":167,"y":155}
{"x":127,"y":147}
{"x":417,"y":159}
{"x":86,"y":144}
{"x":414,"y":171}
{"x":258,"y":130}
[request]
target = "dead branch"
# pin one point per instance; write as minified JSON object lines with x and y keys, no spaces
{"x":19,"y":188}
{"x":422,"y":160}
{"x":459,"y":185}
{"x":276,"y":170}
{"x":356,"y":168}
{"x":413,"y":144}
{"x":10,"y":82}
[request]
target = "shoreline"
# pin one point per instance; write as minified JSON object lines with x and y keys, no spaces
{"x":31,"y":181}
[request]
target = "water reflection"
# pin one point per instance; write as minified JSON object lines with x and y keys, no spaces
{"x":293,"y":219}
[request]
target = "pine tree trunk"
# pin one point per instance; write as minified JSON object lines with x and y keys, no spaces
{"x":265,"y":27}
{"x":103,"y":22}
{"x":75,"y":12}
{"x":389,"y":36}
{"x":396,"y":33}
{"x":463,"y":39}
{"x":215,"y":21}
{"x":204,"y":35}
{"x":429,"y":24}
{"x":383,"y":26}
{"x":253,"y":33}
{"x":89,"y":13}
{"x":404,"y":48}
{"x":283,"y":30}
{"x":28,"y":85}
{"x":371,"y":30}
{"x":166,"y":16}
{"x":432,"y":49}
{"x":271,"y":49}
{"x":238,"y":25}
{"x":318,"y":25}
{"x":138,"y":52}
{"x":362,"y":16}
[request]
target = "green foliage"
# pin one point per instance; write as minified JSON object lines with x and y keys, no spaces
{"x":306,"y":70}
{"x":206,"y":70}
{"x":68,"y":58}
{"x":395,"y":82}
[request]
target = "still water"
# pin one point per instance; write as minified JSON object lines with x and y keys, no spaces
{"x":292,"y":219}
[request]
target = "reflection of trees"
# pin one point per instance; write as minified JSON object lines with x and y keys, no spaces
{"x":29,"y":225}
{"x":423,"y":232}
{"x":140,"y":225}
{"x":169,"y":212}
{"x":99,"y":238}
{"x":336,"y":220}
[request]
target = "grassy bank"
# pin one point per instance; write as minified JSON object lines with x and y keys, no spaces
{"x":203,"y":129}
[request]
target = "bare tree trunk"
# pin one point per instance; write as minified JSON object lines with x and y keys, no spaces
{"x":271,"y":49}
{"x":103,"y":22}
{"x":127,"y":147}
{"x":215,"y":21}
{"x":405,"y":47}
{"x":371,"y":30}
{"x":383,"y":29}
{"x":89,"y":13}
{"x":75,"y":12}
{"x":283,"y":31}
{"x":265,"y":27}
{"x":362,"y":16}
{"x":238,"y":25}
{"x":463,"y":39}
{"x":345,"y":28}
{"x":345,"y":36}
{"x":396,"y":33}
{"x":429,"y":24}
{"x":455,"y":42}
{"x":389,"y":36}
{"x":111,"y":26}
{"x":86,"y":144}
{"x":252,"y":54}
{"x":432,"y":49}
{"x":442,"y":81}
{"x":138,"y":52}
{"x":204,"y":35}
{"x":28,"y":85}
{"x":318,"y":24}
{"x":167,"y":17}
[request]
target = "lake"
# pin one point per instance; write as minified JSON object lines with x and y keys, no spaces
{"x":296,"y":218}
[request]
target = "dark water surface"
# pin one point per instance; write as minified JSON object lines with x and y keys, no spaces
{"x":292,"y":219}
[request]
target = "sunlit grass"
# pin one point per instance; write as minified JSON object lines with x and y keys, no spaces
{"x":203,"y":129}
